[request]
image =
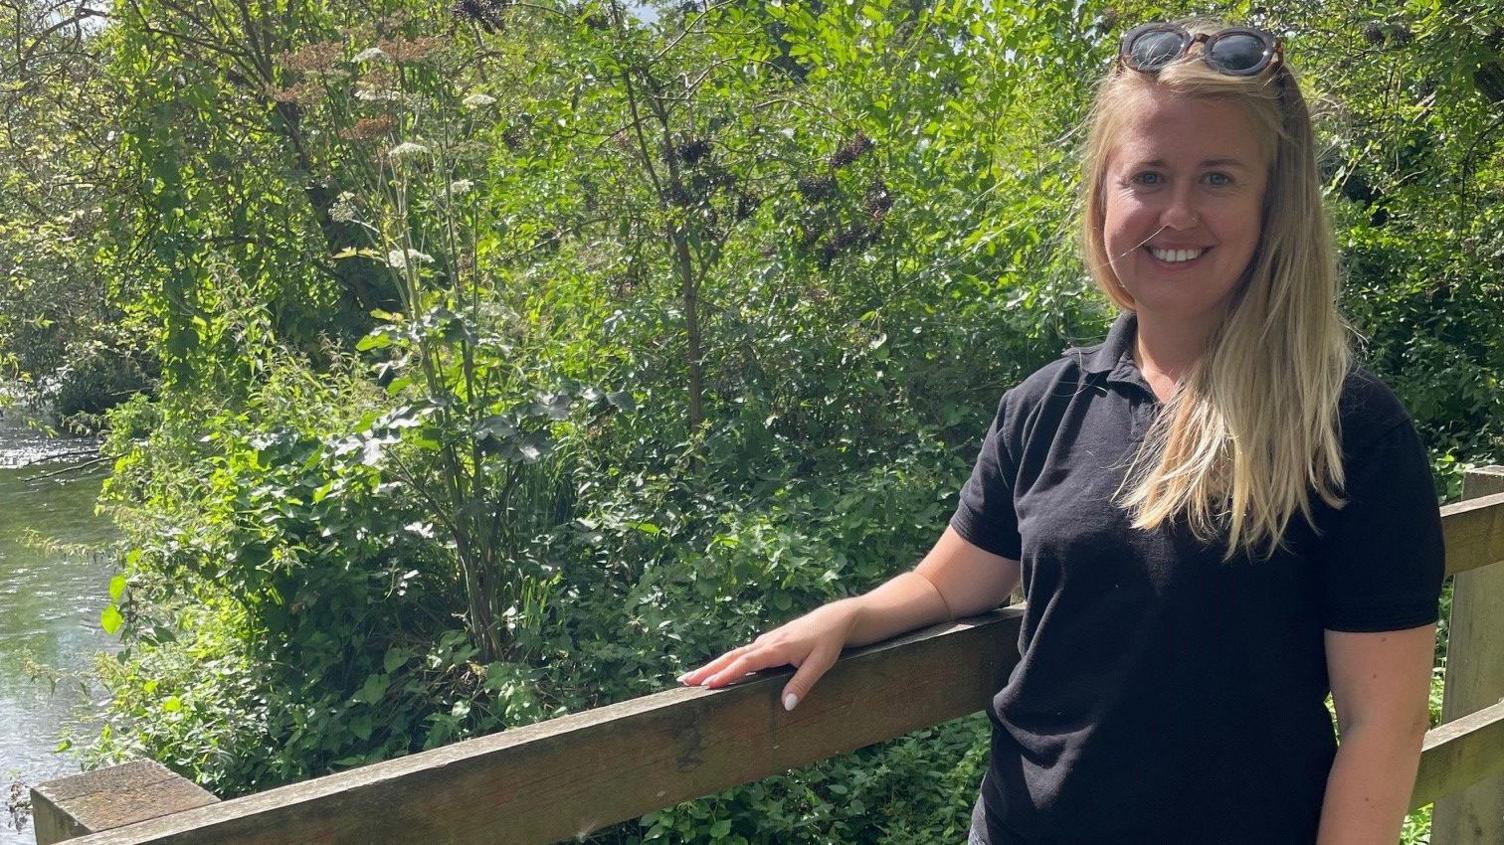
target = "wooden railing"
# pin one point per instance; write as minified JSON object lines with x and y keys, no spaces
{"x":564,"y":778}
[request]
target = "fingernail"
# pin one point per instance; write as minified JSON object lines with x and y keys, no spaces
{"x":789,"y":701}
{"x":681,"y":678}
{"x":706,"y":682}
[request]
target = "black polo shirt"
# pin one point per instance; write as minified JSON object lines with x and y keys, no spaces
{"x":1163,"y":695}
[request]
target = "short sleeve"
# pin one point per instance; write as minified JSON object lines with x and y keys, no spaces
{"x":1382,"y":556}
{"x":985,"y":516}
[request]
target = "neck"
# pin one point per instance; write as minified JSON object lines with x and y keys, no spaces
{"x":1168,"y":347}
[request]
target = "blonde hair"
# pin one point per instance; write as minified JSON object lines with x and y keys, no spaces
{"x":1252,"y":429}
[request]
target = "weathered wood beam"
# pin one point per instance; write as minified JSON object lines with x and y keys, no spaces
{"x":1459,"y":754}
{"x":110,"y":798}
{"x":1474,"y":531}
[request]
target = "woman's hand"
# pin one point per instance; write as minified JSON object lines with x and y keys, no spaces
{"x":810,"y":643}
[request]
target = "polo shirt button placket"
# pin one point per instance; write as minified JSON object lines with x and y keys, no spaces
{"x":1144,"y":407}
{"x":1144,"y":412}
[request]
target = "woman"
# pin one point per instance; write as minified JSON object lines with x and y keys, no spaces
{"x":1216,"y":517}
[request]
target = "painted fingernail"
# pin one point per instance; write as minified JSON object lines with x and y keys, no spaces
{"x":789,"y":701}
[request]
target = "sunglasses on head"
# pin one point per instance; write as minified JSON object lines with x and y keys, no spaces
{"x":1235,"y":51}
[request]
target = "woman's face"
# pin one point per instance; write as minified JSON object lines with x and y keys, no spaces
{"x":1187,"y":176}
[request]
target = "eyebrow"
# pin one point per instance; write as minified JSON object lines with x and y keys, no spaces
{"x":1211,"y":162}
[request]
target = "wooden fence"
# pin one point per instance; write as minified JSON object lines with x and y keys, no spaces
{"x":563,"y":778}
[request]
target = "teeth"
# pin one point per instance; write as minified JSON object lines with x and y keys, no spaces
{"x":1176,"y":255}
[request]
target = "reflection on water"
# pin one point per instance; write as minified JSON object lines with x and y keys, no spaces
{"x":50,"y":599}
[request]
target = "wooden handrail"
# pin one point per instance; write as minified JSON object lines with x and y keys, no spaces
{"x":1474,"y":531}
{"x":1458,"y":754}
{"x":568,"y":776}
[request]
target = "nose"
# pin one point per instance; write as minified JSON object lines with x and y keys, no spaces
{"x":1180,"y":210}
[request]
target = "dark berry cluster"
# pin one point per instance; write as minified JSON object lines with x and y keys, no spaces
{"x":692,"y":151}
{"x":817,"y":188}
{"x":745,"y":204}
{"x":855,"y":235}
{"x":485,"y":13}
{"x":1377,"y":34}
{"x":850,"y":151}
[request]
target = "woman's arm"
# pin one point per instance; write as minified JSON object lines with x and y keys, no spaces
{"x":955,"y":579}
{"x":1381,"y":685}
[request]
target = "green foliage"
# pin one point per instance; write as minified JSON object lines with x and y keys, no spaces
{"x":287,"y":551}
{"x":501,"y":364}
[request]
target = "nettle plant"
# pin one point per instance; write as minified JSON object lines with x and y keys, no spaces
{"x":400,"y":139}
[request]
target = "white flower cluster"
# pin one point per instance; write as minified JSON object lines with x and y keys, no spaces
{"x":343,"y":210}
{"x":405,"y":149}
{"x":399,"y":260}
{"x":375,"y":95}
{"x":460,"y":186}
{"x":476,"y":101}
{"x":370,"y":54}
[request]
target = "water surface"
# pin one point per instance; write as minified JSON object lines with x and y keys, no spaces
{"x":52,"y":588}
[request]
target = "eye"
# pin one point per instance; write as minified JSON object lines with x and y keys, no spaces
{"x":1146,"y":177}
{"x":1217,"y":174}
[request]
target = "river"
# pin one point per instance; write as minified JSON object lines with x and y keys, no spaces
{"x":52,"y":589}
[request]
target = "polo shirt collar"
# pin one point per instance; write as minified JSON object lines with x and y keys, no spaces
{"x":1115,"y":356}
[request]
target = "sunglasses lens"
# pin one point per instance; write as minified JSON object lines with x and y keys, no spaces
{"x":1154,"y":49}
{"x":1238,"y":53}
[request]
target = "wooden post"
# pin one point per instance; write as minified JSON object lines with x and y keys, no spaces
{"x":1474,"y":680}
{"x":105,"y":799}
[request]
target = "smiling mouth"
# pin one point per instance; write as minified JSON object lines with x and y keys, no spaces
{"x":1177,"y":253}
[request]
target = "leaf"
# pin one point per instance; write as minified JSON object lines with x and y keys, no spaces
{"x":554,"y":405}
{"x":534,"y":445}
{"x":117,"y":587}
{"x":375,"y":340}
{"x":361,"y":726}
{"x":395,"y":657}
{"x":172,"y":704}
{"x":496,"y":426}
{"x":373,"y":689}
{"x":352,"y":252}
{"x":110,"y":619}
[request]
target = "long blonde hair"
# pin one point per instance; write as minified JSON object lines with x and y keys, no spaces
{"x":1251,"y":431}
